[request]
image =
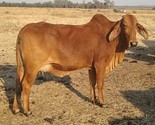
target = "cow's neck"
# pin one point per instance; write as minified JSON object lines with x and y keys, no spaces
{"x":122,"y":43}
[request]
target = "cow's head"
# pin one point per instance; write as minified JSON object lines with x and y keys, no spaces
{"x":127,"y":29}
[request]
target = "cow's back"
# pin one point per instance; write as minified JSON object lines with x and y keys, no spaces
{"x":65,"y":47}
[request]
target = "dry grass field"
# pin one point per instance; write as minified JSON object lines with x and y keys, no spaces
{"x":129,"y":88}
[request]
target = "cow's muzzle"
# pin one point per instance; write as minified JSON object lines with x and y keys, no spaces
{"x":133,"y":44}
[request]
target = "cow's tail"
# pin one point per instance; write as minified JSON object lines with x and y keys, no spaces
{"x":21,"y":69}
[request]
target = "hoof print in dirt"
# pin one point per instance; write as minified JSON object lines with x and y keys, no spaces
{"x":49,"y":120}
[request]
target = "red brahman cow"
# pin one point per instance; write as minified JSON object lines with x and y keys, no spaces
{"x":60,"y":49}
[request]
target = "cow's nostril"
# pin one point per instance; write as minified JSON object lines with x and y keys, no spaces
{"x":133,"y":44}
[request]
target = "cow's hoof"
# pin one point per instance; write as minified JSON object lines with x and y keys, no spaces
{"x":27,"y":114}
{"x":93,"y":101}
{"x":15,"y":111}
{"x":100,"y":104}
{"x":103,"y":105}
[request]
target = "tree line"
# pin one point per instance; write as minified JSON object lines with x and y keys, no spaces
{"x":62,"y":4}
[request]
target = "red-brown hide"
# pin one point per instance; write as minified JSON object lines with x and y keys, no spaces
{"x":60,"y":49}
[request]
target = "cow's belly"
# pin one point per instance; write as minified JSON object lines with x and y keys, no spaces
{"x":57,"y":69}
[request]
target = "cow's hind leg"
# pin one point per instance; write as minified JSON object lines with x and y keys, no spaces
{"x":17,"y":98}
{"x":26,"y":87}
{"x":92,"y":79}
{"x":18,"y":90}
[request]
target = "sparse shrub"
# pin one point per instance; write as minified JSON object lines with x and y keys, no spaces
{"x":115,"y":10}
{"x":7,"y":12}
{"x":134,"y":11}
{"x":119,"y":11}
{"x":98,"y":10}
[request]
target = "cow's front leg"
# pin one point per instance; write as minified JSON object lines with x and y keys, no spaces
{"x":100,"y":72}
{"x":92,"y":79}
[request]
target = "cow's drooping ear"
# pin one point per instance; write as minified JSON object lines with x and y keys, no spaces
{"x":142,"y":31}
{"x":114,"y":32}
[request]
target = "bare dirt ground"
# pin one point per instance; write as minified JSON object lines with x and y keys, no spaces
{"x":129,"y":88}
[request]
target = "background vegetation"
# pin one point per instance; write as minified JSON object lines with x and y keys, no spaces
{"x":62,"y":4}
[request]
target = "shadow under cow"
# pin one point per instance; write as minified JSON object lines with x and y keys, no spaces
{"x":145,"y":54}
{"x":66,"y":81}
{"x":144,"y":100}
{"x":8,"y":80}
